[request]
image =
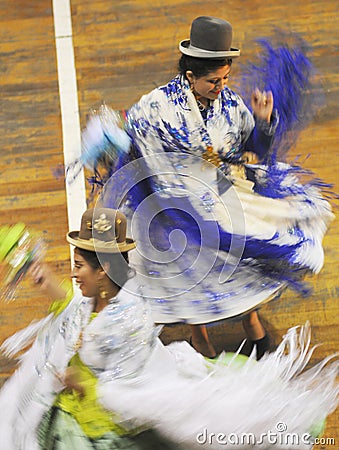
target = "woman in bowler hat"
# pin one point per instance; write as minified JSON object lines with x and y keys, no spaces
{"x":209,"y":120}
{"x":100,"y":332}
{"x":251,"y":230}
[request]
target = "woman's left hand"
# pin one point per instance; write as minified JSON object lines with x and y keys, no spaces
{"x":262,"y":104}
{"x":72,"y":380}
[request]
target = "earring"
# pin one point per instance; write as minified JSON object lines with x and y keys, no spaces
{"x":102,"y":292}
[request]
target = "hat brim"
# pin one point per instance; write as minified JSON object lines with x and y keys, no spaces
{"x":186,"y":49}
{"x":99,"y":246}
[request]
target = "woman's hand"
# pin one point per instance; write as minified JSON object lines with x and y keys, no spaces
{"x":71,"y":380}
{"x":46,"y":279}
{"x":262,"y":104}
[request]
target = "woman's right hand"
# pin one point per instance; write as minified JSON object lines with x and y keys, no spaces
{"x":37,"y":272}
{"x":47,"y":281}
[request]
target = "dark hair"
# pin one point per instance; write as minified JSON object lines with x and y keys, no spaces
{"x":201,"y":66}
{"x":119,"y":270}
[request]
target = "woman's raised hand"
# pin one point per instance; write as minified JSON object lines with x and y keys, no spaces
{"x":262,"y":104}
{"x":46,"y":279}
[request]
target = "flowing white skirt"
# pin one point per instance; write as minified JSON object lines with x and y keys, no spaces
{"x":209,"y":249}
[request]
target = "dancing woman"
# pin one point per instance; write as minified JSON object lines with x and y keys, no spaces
{"x":52,"y":401}
{"x":250,"y":229}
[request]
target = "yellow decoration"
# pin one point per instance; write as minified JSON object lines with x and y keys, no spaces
{"x":90,"y":415}
{"x":210,"y":156}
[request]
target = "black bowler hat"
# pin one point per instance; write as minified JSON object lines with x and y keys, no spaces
{"x":210,"y":38}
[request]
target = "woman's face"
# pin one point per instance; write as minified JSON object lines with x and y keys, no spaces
{"x":86,"y":277}
{"x":209,"y":86}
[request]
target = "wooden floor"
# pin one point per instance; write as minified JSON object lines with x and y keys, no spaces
{"x":122,"y":50}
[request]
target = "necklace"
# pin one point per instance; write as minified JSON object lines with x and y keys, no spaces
{"x":78,"y":343}
{"x":200,"y":105}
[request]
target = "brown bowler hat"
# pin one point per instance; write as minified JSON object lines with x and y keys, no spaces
{"x":210,"y":38}
{"x":102,"y":230}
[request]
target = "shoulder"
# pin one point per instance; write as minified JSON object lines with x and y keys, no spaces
{"x":57,"y":306}
{"x":72,"y":301}
{"x":147,"y":102}
{"x":131,"y":293}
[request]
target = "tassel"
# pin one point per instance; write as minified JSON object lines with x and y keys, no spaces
{"x":103,"y":141}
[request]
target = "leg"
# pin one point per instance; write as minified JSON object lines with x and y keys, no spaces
{"x":256,"y":333}
{"x":253,"y":327}
{"x":200,"y":341}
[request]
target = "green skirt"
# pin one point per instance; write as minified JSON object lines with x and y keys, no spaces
{"x":60,"y":431}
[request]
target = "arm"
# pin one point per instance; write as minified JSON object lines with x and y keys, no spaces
{"x":47,"y":281}
{"x":60,"y":293}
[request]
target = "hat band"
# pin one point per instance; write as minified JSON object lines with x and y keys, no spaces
{"x":202,"y":50}
{"x":98,"y":243}
{"x":191,"y":50}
